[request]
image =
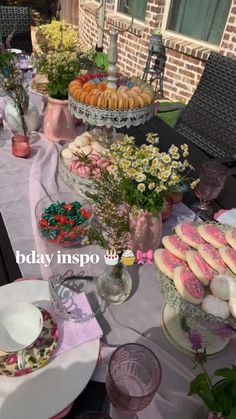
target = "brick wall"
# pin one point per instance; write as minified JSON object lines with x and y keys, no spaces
{"x":185,"y":60}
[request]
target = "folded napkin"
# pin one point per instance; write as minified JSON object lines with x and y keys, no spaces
{"x":73,"y":334}
{"x":228,"y":217}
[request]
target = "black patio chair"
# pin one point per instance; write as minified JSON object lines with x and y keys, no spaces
{"x":209,"y":119}
{"x":16,"y":18}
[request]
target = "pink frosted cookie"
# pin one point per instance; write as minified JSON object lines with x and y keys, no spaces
{"x":176,"y":246}
{"x":189,"y":234}
{"x":212,"y":234}
{"x":229,"y":257}
{"x":199,"y":267}
{"x":188,"y":285}
{"x":167,"y":262}
{"x":211,"y":255}
{"x":230,"y":236}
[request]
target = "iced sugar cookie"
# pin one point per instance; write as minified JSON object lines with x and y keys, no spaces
{"x":224,"y":287}
{"x":176,"y":246}
{"x":229,"y":257}
{"x":215,"y":306}
{"x":230,"y":236}
{"x":189,"y":234}
{"x":199,"y":267}
{"x":188,"y":285}
{"x":232,"y":306}
{"x":212,"y":256}
{"x":212,"y":234}
{"x":167,"y":262}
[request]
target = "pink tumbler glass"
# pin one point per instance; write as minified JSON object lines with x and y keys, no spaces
{"x":20,"y":145}
{"x":134,"y":375}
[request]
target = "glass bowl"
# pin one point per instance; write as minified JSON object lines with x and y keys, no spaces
{"x":62,"y":217}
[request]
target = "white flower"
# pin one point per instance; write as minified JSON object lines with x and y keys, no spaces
{"x":151,"y":186}
{"x":141,"y":187}
{"x":140,"y":177}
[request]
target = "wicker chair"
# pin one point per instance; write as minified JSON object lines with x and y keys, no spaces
{"x":16,"y":18}
{"x":209,"y":119}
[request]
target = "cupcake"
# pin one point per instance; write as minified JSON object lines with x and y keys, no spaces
{"x":128,"y":258}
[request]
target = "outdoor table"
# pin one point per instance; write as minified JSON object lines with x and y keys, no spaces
{"x":23,"y":183}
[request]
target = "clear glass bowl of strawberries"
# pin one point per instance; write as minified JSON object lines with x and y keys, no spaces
{"x":62,"y":218}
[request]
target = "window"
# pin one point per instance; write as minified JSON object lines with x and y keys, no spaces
{"x":137,"y":8}
{"x":199,"y":19}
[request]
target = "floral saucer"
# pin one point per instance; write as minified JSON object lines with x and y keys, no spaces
{"x":37,"y":355}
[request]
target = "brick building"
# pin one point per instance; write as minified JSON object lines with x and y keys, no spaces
{"x":191,"y":30}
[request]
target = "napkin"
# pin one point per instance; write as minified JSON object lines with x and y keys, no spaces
{"x":228,"y":217}
{"x":73,"y":334}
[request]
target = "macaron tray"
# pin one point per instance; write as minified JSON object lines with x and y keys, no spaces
{"x":197,"y":271}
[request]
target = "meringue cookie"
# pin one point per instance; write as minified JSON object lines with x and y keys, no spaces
{"x":232,"y":306}
{"x":215,"y":306}
{"x":81,"y":141}
{"x":86,"y":150}
{"x":73,"y":148}
{"x":66,"y":153}
{"x":223,"y":286}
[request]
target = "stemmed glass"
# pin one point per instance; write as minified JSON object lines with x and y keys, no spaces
{"x":134,"y":375}
{"x":212,"y":180}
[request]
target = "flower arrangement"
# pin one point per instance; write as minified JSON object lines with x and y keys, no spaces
{"x":60,"y":68}
{"x":145,"y":173}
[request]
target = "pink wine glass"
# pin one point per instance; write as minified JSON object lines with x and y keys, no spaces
{"x":134,"y":375}
{"x":212,"y":180}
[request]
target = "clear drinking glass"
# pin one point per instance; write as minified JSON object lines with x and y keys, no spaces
{"x":134,"y":375}
{"x":212,"y":180}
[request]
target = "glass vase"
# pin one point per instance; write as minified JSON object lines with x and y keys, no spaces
{"x":114,"y":284}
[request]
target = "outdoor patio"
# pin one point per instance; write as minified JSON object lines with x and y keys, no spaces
{"x":117,"y":209}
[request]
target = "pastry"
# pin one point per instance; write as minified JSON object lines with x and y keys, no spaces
{"x":212,"y":256}
{"x":232,"y":306}
{"x":167,"y":262}
{"x":199,"y":267}
{"x":188,"y":285}
{"x":212,"y":234}
{"x":128,"y":258}
{"x":176,"y":246}
{"x":230,"y":236}
{"x":189,"y":234}
{"x":229,"y":257}
{"x":223,"y":287}
{"x":215,"y":306}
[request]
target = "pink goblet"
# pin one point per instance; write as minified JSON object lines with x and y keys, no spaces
{"x":212,"y":180}
{"x":134,"y":375}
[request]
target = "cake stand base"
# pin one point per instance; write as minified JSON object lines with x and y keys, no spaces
{"x":173,"y":331}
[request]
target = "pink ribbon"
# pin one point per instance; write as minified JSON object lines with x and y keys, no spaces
{"x":144,"y":257}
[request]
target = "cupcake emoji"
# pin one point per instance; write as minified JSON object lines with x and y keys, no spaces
{"x":128,"y":258}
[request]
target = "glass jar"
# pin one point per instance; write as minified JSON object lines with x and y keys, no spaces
{"x":114,"y":284}
{"x":20,"y":145}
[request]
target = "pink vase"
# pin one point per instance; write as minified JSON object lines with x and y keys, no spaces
{"x":146,"y":230}
{"x":59,"y":124}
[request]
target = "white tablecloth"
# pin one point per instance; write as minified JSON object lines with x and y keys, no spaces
{"x":23,"y":182}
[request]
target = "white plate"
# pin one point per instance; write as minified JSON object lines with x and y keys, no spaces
{"x":50,"y":389}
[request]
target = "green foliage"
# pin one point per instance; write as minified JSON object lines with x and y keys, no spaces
{"x":220,"y":397}
{"x":101,"y":60}
{"x":57,"y":34}
{"x":60,"y":68}
{"x":7,"y":62}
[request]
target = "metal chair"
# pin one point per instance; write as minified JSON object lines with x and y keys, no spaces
{"x":209,"y":119}
{"x":17,"y":19}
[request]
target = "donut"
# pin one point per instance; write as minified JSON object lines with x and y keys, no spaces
{"x":189,"y":234}
{"x":230,"y":236}
{"x":176,"y":246}
{"x":188,"y":285}
{"x":232,"y":306}
{"x":167,"y":262}
{"x":199,"y":267}
{"x":212,"y":234}
{"x":223,"y":287}
{"x":215,"y":306}
{"x":229,"y":257}
{"x":212,"y":256}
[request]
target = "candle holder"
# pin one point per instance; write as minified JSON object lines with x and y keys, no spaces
{"x":20,"y":145}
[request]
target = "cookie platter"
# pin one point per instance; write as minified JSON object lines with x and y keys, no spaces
{"x":198,"y":280}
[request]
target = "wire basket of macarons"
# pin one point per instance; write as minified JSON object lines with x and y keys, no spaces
{"x":197,"y":272}
{"x":62,"y":219}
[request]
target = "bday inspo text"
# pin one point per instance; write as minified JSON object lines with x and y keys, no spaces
{"x":45,"y":259}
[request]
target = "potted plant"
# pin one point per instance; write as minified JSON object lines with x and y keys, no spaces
{"x":50,"y":35}
{"x":60,"y":68}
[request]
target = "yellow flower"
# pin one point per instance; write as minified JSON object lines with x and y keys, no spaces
{"x":140,"y":177}
{"x":176,"y":156}
{"x":141,"y":187}
{"x":131,"y":172}
{"x":175,"y":179}
{"x":151,"y":186}
{"x":184,"y":147}
{"x":166,"y":158}
{"x":186,"y":163}
{"x":174,"y":165}
{"x":173,"y":150}
{"x":124,"y":164}
{"x":185,"y":154}
{"x":145,"y":162}
{"x":194,"y":183}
